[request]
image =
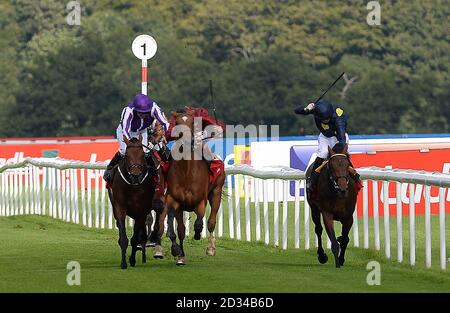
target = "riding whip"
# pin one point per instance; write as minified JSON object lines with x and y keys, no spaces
{"x":212,"y":99}
{"x":342,"y":74}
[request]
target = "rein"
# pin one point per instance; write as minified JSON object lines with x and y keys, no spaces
{"x":132,"y":166}
{"x":126,"y":180}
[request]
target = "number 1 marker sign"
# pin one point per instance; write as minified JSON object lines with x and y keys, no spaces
{"x":144,"y":47}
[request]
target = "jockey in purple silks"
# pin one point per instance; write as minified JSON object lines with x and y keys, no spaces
{"x":135,"y":120}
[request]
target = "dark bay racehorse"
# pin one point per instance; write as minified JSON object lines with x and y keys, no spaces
{"x":335,"y":201}
{"x":131,"y":193}
{"x":189,"y":189}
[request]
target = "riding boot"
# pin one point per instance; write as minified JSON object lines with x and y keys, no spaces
{"x":115,"y":160}
{"x":164,"y":153}
{"x":151,"y":164}
{"x":314,"y":175}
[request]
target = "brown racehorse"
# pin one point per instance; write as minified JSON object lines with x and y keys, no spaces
{"x":131,"y":193}
{"x":336,"y":201}
{"x":189,"y":189}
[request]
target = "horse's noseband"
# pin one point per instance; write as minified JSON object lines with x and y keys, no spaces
{"x":138,"y":166}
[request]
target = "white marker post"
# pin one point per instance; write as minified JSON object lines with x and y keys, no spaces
{"x":144,"y":47}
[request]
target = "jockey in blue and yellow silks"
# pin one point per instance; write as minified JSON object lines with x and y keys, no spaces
{"x":332,"y":124}
{"x":136,"y":118}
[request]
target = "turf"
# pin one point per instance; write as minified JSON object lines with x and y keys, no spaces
{"x":35,"y":251}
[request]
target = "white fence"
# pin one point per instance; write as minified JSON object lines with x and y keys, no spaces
{"x":74,"y":191}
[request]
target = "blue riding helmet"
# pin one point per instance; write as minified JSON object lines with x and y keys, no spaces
{"x":323,"y":110}
{"x":142,"y":103}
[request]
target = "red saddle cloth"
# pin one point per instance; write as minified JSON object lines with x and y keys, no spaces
{"x":216,"y":167}
{"x":359,"y":186}
{"x":160,"y":187}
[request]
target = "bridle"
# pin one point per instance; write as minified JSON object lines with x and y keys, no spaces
{"x":130,"y":167}
{"x":332,"y":176}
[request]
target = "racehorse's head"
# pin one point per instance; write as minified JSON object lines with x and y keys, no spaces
{"x":184,"y":117}
{"x":184,"y":125}
{"x":135,"y":163}
{"x":338,"y":167}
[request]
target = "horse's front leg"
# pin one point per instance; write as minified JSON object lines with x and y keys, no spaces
{"x":123,"y":240}
{"x":329,"y":227}
{"x":158,"y":205}
{"x":143,"y":240}
{"x":175,"y":249}
{"x":169,"y":202}
{"x":181,"y":229}
{"x":198,"y":225}
{"x":315,"y":215}
{"x":155,"y":240}
{"x":149,"y":223}
{"x":139,"y":226}
{"x":344,"y":239}
{"x":214,"y":198}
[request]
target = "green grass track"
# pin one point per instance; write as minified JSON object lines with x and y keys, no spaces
{"x":35,"y":251}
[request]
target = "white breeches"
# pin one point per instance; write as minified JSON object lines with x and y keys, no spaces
{"x":325,"y":142}
{"x":123,"y":145}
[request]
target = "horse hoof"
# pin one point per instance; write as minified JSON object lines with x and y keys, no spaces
{"x":338,"y":264}
{"x":144,"y":260}
{"x":132,"y":262}
{"x":158,"y":253}
{"x":323,"y":258}
{"x":197,"y":236}
{"x":181,"y":260}
{"x":341,"y":261}
{"x":210,"y":251}
{"x":123,"y":266}
{"x":139,"y":247}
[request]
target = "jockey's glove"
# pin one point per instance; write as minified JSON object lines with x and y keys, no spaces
{"x":310,"y":107}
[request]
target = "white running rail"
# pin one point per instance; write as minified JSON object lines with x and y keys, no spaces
{"x":74,"y":191}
